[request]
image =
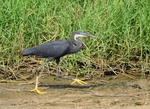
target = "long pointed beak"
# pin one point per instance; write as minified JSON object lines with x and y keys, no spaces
{"x":89,"y":35}
{"x":93,"y":36}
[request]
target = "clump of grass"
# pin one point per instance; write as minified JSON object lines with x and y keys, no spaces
{"x":123,"y":28}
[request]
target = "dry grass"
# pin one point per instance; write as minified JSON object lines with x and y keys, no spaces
{"x":123,"y":28}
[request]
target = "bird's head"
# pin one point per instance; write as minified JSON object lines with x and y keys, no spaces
{"x":77,"y":34}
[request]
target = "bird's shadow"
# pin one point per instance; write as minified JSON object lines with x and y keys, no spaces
{"x":73,"y":86}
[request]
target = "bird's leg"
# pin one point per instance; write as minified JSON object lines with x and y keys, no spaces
{"x":37,"y":79}
{"x":74,"y":80}
{"x":57,"y":72}
{"x":57,"y":68}
{"x":59,"y":76}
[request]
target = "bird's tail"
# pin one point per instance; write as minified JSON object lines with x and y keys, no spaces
{"x":28,"y":51}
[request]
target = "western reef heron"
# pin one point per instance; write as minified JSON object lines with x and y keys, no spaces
{"x":55,"y":50}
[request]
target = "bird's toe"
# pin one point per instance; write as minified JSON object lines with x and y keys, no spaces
{"x":79,"y":81}
{"x":38,"y":91}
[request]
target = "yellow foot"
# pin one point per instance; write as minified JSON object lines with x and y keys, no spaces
{"x":79,"y":81}
{"x":38,"y":91}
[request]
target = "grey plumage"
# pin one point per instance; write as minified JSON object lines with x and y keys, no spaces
{"x":55,"y":50}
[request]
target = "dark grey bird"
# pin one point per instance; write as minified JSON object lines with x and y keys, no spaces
{"x":55,"y":50}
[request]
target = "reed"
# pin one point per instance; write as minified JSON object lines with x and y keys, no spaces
{"x":122,"y":26}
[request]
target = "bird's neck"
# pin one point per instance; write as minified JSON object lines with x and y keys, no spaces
{"x":77,"y":44}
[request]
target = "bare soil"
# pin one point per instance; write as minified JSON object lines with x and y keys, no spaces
{"x":101,"y":93}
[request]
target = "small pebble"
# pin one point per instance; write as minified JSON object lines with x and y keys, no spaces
{"x":139,"y":103}
{"x":136,"y":86}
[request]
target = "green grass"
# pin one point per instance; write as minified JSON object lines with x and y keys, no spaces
{"x":123,"y":28}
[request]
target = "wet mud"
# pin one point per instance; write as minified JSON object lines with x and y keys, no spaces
{"x":100,"y":93}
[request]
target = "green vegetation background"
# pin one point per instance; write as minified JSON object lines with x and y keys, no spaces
{"x":123,"y":28}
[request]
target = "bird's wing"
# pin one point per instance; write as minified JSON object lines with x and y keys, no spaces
{"x":52,"y":49}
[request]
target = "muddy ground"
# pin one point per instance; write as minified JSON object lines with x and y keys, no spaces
{"x":102,"y":93}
